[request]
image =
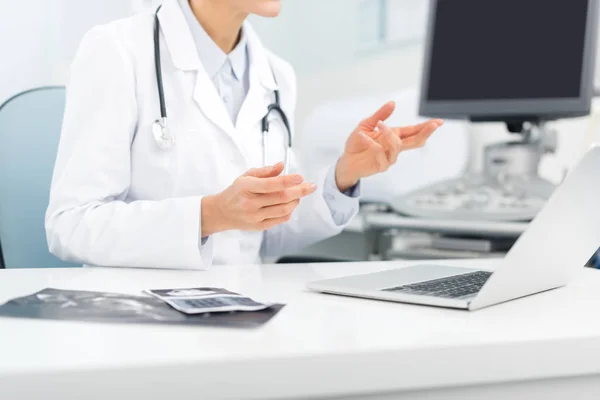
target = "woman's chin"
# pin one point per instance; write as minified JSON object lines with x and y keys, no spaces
{"x":269,"y":9}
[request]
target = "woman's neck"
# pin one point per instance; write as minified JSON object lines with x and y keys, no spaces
{"x":222,"y":23}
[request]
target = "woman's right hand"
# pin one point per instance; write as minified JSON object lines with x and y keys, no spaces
{"x":257,"y":201}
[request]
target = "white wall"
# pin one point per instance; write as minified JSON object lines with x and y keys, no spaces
{"x":313,"y":34}
{"x":38,"y":38}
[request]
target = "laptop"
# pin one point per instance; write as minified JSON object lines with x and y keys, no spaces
{"x":557,"y":243}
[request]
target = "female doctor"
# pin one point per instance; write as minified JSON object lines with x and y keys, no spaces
{"x":175,"y":140}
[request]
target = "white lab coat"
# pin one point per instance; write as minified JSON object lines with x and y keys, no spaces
{"x":117,"y":199}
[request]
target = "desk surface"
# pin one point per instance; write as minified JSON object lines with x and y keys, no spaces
{"x":319,"y":345}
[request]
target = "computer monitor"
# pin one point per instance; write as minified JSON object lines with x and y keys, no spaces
{"x":509,"y":60}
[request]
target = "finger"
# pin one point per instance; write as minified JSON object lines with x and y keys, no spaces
{"x":393,"y":144}
{"x":417,"y":141}
{"x":368,"y":141}
{"x":273,"y":222}
{"x":408,"y":131}
{"x":285,"y":196}
{"x":381,"y":161}
{"x":274,"y":184}
{"x":278,"y":211}
{"x":359,"y":141}
{"x":382,"y":114}
{"x":266,"y":172}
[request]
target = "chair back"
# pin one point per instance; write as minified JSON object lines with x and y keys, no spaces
{"x":30,"y":126}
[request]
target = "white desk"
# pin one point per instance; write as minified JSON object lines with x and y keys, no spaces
{"x":320,"y":346}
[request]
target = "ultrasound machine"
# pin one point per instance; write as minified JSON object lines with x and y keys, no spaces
{"x":522,"y":63}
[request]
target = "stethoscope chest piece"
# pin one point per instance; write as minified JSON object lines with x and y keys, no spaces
{"x":160,"y":131}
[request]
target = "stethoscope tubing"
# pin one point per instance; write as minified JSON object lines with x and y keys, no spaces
{"x":166,"y":140}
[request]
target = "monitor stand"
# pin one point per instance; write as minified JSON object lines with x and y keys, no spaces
{"x":507,"y":189}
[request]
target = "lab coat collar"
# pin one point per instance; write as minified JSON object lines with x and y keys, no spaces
{"x":184,"y":54}
{"x":262,"y":82}
{"x":182,"y":48}
{"x":178,"y":37}
{"x":239,"y":58}
{"x":259,"y":58}
{"x":212,"y":57}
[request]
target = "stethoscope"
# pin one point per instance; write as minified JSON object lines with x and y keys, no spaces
{"x":160,"y":129}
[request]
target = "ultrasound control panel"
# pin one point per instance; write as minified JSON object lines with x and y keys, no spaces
{"x":478,"y":198}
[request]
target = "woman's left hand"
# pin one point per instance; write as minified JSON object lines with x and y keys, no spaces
{"x":374,"y":147}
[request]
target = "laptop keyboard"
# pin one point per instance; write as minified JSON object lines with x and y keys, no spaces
{"x":452,"y":287}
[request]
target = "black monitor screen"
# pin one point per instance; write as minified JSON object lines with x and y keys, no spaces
{"x":507,"y":49}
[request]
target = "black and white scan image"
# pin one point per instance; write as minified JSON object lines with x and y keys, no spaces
{"x":89,"y":306}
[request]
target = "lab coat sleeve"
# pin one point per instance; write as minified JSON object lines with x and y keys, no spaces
{"x":342,"y":205}
{"x":319,"y":216}
{"x":88,"y":220}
